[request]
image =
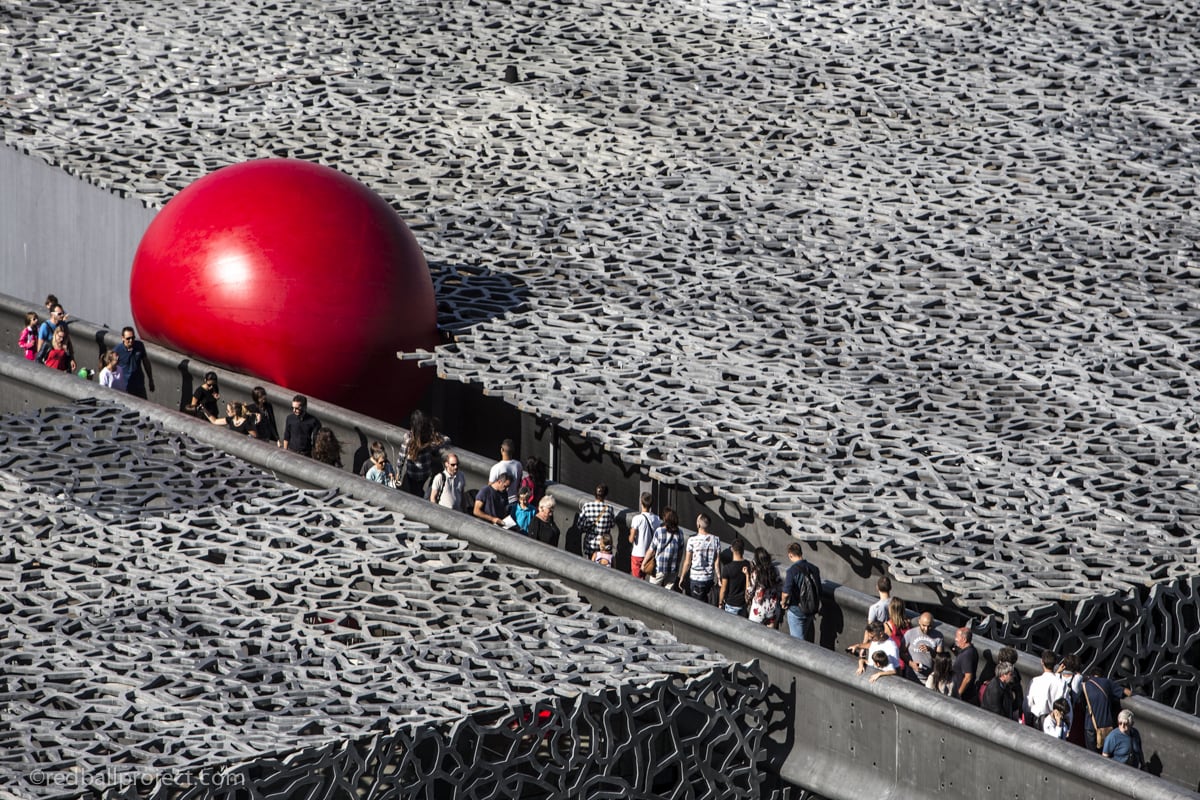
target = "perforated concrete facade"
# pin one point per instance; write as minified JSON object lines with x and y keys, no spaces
{"x":176,"y":619}
{"x":915,"y":277}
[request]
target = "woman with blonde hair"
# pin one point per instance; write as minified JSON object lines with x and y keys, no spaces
{"x":238,"y":419}
{"x":896,"y":626}
{"x":59,"y":355}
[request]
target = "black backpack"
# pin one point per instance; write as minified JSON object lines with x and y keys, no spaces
{"x":807,"y":597}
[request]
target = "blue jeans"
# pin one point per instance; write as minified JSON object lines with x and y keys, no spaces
{"x":799,"y":624}
{"x":700,"y":590}
{"x":736,"y":610}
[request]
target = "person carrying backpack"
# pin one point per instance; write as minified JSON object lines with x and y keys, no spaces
{"x":801,"y":593}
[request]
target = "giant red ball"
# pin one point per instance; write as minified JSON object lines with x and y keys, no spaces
{"x":292,"y":272}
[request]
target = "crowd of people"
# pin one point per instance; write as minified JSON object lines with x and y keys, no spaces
{"x":1062,"y":701}
{"x":125,"y":367}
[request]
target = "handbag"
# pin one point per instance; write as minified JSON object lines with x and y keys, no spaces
{"x":648,"y":565}
{"x":403,"y":474}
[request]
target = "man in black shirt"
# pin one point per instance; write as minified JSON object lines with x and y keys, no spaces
{"x":301,"y":428}
{"x":733,"y":580}
{"x":966,"y":667}
{"x":491,"y":502}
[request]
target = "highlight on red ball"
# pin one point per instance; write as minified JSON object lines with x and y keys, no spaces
{"x":293,"y":272}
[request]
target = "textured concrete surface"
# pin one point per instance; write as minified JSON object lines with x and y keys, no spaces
{"x":176,"y":617}
{"x":916,"y":277}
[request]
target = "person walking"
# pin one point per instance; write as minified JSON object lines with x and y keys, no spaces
{"x":801,"y":593}
{"x":665,"y":549}
{"x":134,"y":363}
{"x":300,"y":430}
{"x":1124,"y":745}
{"x":699,"y":560}
{"x":641,"y":531}
{"x":733,"y":580}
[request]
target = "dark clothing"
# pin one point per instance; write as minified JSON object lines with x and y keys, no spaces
{"x":244,"y":428}
{"x":418,"y":469}
{"x":791,"y":585}
{"x":265,"y":428}
{"x":735,"y":592}
{"x":1017,"y":690}
{"x":1000,"y":699}
{"x":701,"y":590}
{"x":495,"y":503}
{"x":206,"y":401}
{"x":300,"y":432}
{"x":546,"y":532}
{"x":967,"y":661}
{"x":130,"y":359}
{"x":1103,"y":695}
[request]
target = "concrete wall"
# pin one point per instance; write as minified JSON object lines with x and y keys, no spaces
{"x":829,"y":731}
{"x":60,"y":235}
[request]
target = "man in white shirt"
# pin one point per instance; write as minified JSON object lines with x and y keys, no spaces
{"x":641,"y":531}
{"x":880,"y":642}
{"x":1043,"y":691}
{"x":449,"y":488}
{"x":508,"y":464}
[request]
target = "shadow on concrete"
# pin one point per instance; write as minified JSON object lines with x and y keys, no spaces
{"x":467,"y":296}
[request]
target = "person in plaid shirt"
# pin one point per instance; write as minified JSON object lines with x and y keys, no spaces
{"x":596,"y":519}
{"x":666,"y":547}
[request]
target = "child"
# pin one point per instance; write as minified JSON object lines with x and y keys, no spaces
{"x":522,"y":511}
{"x":1058,"y":721}
{"x":381,"y":470}
{"x":883,"y":664}
{"x":604,"y":555}
{"x":110,"y":371}
{"x":29,"y":336}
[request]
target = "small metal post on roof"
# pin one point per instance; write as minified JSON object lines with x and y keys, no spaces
{"x":552,"y":456}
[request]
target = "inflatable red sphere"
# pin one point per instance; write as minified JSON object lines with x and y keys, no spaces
{"x":295,"y":273}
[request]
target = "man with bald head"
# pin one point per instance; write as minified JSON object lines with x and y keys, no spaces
{"x":965,"y":670}
{"x":922,"y":641}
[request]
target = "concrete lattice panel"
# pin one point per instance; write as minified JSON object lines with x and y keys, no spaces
{"x":916,"y":277}
{"x":207,"y":627}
